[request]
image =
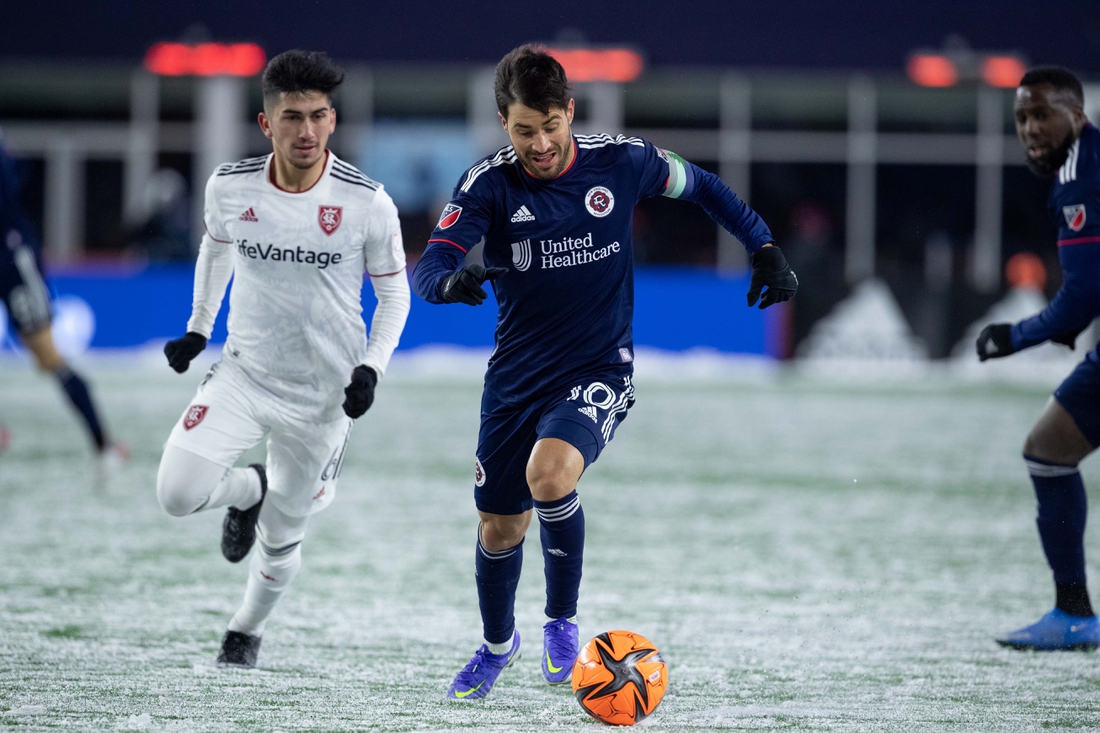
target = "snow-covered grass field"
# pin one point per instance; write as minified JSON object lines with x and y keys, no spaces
{"x":808,"y":555}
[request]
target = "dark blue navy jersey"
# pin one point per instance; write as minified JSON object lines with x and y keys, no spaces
{"x":1074,"y":206}
{"x":567,"y":301}
{"x":15,"y":228}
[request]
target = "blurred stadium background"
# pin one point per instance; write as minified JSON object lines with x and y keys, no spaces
{"x":876,"y":141}
{"x":809,"y":554}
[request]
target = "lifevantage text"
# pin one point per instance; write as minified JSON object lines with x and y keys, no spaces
{"x":259,"y":251}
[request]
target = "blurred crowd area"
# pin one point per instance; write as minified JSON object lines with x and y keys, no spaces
{"x":782,"y":140}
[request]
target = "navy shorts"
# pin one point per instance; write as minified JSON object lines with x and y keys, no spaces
{"x":22,"y":289}
{"x":585,"y":416}
{"x":1080,"y":395}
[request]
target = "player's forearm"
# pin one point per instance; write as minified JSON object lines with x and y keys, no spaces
{"x":439,"y":260}
{"x":723,"y":205}
{"x":1068,"y":313}
{"x":388,"y":321}
{"x":213,"y":269}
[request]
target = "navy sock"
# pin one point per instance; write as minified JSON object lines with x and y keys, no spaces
{"x":497,"y":578}
{"x":1063,"y":508}
{"x":561,"y":525}
{"x":78,"y":394}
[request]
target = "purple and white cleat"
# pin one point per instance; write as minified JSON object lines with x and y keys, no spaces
{"x":478,"y":677}
{"x":560,"y":647}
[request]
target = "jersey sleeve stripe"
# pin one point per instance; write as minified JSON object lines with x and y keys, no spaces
{"x":503,"y":156}
{"x":237,"y":171}
{"x":352,"y":172}
{"x":447,"y":241}
{"x":1078,"y":240}
{"x":1068,"y":171}
{"x":356,"y":182}
{"x":386,"y":274}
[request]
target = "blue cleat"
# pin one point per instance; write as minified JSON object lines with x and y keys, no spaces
{"x":477,"y":678}
{"x":1056,"y":631}
{"x":559,"y":650}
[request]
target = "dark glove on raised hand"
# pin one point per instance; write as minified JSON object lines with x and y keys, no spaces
{"x":181,"y":351}
{"x":995,"y":341}
{"x":770,"y":268}
{"x":1067,"y":339}
{"x":359,"y":395}
{"x":464,"y":284}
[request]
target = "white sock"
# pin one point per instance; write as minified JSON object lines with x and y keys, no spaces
{"x":501,"y":648}
{"x":571,"y":619}
{"x":239,"y":488}
{"x":268,"y":577}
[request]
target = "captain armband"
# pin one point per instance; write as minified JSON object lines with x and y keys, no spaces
{"x":681,"y":178}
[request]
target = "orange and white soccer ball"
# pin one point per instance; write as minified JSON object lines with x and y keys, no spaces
{"x":619,"y":677}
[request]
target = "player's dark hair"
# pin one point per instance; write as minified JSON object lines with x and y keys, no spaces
{"x":1058,"y":77}
{"x":532,"y":77}
{"x":297,"y":71}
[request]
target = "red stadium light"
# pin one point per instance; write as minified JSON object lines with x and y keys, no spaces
{"x":931,"y":70}
{"x":205,"y":59}
{"x":608,"y":64}
{"x":1002,"y":71}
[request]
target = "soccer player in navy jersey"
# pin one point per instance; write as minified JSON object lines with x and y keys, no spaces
{"x":1063,"y":145}
{"x":27,"y":299}
{"x":555,"y":212}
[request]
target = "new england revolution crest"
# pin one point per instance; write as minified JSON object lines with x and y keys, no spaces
{"x":599,"y":201}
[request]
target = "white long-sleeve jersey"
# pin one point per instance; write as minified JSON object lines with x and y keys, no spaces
{"x":297,"y":262}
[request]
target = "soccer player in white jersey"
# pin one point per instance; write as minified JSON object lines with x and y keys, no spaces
{"x":297,"y":229}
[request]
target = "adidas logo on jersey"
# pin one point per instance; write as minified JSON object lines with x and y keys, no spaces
{"x":588,"y":410}
{"x":249,"y":215}
{"x":522,"y":214}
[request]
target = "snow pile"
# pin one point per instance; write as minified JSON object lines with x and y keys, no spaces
{"x":866,"y":331}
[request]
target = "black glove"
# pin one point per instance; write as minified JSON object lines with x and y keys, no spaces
{"x":464,"y":284}
{"x":359,"y":395}
{"x":1067,"y":339}
{"x":181,"y":351}
{"x":770,"y":268}
{"x":995,"y":341}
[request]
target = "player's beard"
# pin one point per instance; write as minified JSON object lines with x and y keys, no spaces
{"x":305,"y":165}
{"x":1047,"y":165}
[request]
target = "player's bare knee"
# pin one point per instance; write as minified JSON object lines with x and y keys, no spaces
{"x":553,"y":469}
{"x":550,"y":480}
{"x":501,"y":531}
{"x":1036,"y":447}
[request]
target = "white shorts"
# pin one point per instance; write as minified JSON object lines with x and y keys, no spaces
{"x":228,"y":416}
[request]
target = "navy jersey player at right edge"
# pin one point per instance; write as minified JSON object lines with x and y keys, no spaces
{"x":1062,"y":144}
{"x":555,"y":213}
